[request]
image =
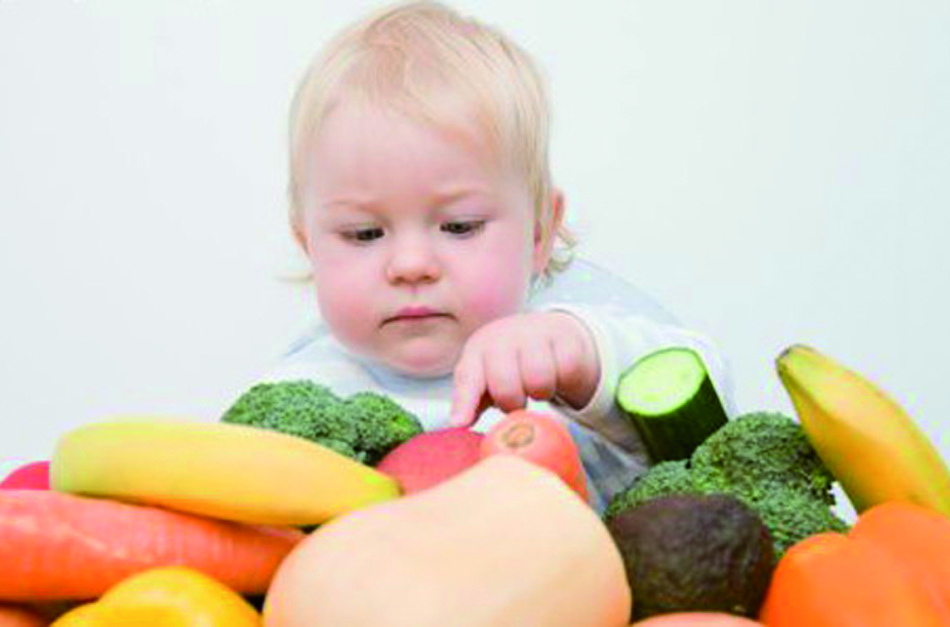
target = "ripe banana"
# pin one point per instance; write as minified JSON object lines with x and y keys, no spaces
{"x":867,"y":441}
{"x":226,"y":471}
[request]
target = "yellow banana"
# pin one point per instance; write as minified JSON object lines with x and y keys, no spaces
{"x":867,"y":441}
{"x":219,"y":470}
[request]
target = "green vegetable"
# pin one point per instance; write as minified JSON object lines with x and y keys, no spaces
{"x":670,"y":398}
{"x":692,"y":553}
{"x":763,"y":452}
{"x":763,"y":459}
{"x":381,"y":424}
{"x":792,"y":516}
{"x":664,"y":479}
{"x":364,"y":426}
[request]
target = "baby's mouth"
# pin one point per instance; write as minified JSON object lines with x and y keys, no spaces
{"x":416,"y":315}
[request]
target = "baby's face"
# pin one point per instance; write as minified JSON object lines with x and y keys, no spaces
{"x":416,"y":238}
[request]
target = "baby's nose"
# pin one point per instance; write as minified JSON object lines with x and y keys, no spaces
{"x":412,"y":261}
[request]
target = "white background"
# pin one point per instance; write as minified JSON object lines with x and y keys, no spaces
{"x":772,"y":172}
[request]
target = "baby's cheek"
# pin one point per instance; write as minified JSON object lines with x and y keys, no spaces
{"x":344,"y":309}
{"x":497,"y":294}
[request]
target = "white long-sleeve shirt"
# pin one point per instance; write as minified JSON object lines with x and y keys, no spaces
{"x":625,"y":325}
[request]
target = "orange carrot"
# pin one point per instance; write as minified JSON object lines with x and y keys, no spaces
{"x":59,"y":546}
{"x":540,"y":439}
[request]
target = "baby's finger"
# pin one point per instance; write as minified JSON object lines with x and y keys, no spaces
{"x":503,"y":379}
{"x":569,"y":360}
{"x":468,"y":391}
{"x":538,"y":370}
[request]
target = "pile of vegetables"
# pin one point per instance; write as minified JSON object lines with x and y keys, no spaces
{"x":891,"y":568}
{"x":224,"y":504}
{"x":763,"y":459}
{"x":303,"y":508}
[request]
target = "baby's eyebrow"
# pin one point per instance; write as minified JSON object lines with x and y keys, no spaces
{"x":351,"y":203}
{"x":449,"y":195}
{"x":436,"y":198}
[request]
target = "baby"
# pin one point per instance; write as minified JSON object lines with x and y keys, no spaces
{"x":421,"y":194}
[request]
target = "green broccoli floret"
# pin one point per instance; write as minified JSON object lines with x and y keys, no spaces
{"x":760,"y":453}
{"x":762,"y":458}
{"x":363,"y":427}
{"x":792,"y":515}
{"x":664,"y":479}
{"x":381,"y":424}
{"x":301,"y":408}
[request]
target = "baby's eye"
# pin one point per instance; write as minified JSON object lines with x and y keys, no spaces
{"x":463,"y":228}
{"x":364,"y":235}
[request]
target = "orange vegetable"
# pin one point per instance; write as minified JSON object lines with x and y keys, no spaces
{"x":697,"y":619}
{"x":832,"y":580}
{"x":503,"y":543}
{"x":919,"y":538}
{"x":94,"y":615}
{"x":16,"y":616}
{"x":60,"y":546}
{"x":540,"y":439}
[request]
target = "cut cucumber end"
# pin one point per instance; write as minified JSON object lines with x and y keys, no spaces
{"x":670,"y":399}
{"x":661,"y":382}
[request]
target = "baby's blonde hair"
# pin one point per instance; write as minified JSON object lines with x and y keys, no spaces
{"x":426,"y":61}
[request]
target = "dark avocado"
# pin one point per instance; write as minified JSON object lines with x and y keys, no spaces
{"x":689,"y":553}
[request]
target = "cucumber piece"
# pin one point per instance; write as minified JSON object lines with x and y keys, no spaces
{"x":670,"y":399}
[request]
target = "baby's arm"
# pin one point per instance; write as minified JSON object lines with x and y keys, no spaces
{"x":621,"y":339}
{"x":573,"y":356}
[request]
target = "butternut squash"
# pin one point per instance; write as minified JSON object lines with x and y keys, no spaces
{"x":504,"y":543}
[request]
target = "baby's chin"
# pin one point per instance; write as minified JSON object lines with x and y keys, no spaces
{"x":423,"y":362}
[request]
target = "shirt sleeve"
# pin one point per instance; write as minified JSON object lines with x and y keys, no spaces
{"x":620,"y":341}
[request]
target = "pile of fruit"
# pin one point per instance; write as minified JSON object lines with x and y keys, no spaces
{"x":175,"y":523}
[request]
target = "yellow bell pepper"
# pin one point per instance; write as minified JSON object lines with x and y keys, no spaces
{"x":172,"y":596}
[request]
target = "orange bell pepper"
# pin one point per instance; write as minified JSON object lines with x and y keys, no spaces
{"x":173,"y":596}
{"x":891,"y":569}
{"x":919,"y":538}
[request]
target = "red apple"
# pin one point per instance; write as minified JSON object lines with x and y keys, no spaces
{"x":431,"y":457}
{"x":32,"y":476}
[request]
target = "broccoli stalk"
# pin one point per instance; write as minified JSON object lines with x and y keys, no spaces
{"x":364,"y":426}
{"x":762,"y":458}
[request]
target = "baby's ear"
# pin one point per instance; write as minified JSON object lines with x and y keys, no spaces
{"x":545,"y":230}
{"x":300,"y":235}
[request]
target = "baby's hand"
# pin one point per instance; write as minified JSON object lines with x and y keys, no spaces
{"x":537,"y":355}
